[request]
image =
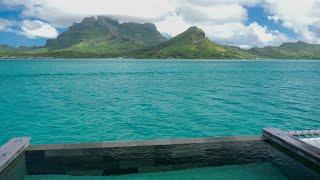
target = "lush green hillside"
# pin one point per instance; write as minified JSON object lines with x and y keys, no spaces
{"x":292,"y":50}
{"x":192,"y":44}
{"x":103,"y":36}
{"x":6,"y":50}
{"x":107,"y":38}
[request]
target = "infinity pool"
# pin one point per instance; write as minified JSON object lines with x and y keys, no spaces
{"x":200,"y":158}
{"x":263,"y":171}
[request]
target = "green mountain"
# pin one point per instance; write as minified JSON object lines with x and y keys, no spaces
{"x":291,"y":50}
{"x":103,"y":36}
{"x":6,"y":49}
{"x":107,"y":38}
{"x":11,"y":51}
{"x":192,"y":44}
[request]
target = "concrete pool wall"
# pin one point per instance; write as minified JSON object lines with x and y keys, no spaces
{"x":118,"y":158}
{"x":13,"y":159}
{"x":142,"y":156}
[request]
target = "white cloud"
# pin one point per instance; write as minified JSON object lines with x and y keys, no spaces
{"x":211,"y":2}
{"x":60,"y":13}
{"x":211,"y":14}
{"x":301,"y":16}
{"x":223,"y":21}
{"x":5,"y":25}
{"x":274,"y":18}
{"x":243,"y":36}
{"x":172,"y":25}
{"x":38,"y":29}
{"x":28,"y":28}
{"x":201,"y":13}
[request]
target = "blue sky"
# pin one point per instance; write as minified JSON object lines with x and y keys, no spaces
{"x":258,"y":14}
{"x":250,"y":23}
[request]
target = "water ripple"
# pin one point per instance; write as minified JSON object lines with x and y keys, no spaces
{"x":61,"y":101}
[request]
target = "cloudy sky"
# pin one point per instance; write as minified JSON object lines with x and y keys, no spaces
{"x":244,"y":23}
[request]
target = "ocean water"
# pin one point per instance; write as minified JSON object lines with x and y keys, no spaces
{"x":59,"y":101}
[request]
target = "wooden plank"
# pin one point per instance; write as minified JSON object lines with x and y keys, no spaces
{"x":305,"y":132}
{"x":293,"y":144}
{"x":11,"y":150}
{"x":313,"y":141}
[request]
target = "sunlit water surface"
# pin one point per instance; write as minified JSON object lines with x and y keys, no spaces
{"x":58,"y":101}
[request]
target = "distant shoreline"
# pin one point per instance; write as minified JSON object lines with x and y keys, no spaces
{"x":144,"y":41}
{"x":145,"y":59}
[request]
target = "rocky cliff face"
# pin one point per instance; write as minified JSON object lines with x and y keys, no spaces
{"x":103,"y":29}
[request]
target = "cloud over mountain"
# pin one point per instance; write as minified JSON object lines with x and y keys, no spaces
{"x":38,"y":29}
{"x":224,"y":21}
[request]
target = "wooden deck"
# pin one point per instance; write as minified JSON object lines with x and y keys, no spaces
{"x":309,"y":136}
{"x":303,"y":143}
{"x":313,"y":141}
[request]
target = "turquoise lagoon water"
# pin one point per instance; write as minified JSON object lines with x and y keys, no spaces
{"x":59,"y":101}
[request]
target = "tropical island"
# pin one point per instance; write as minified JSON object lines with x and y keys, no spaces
{"x":103,"y":37}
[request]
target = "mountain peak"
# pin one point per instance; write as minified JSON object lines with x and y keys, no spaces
{"x":103,"y":29}
{"x":99,"y":19}
{"x":301,"y":42}
{"x":195,"y":30}
{"x":294,"y":44}
{"x":194,"y":34}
